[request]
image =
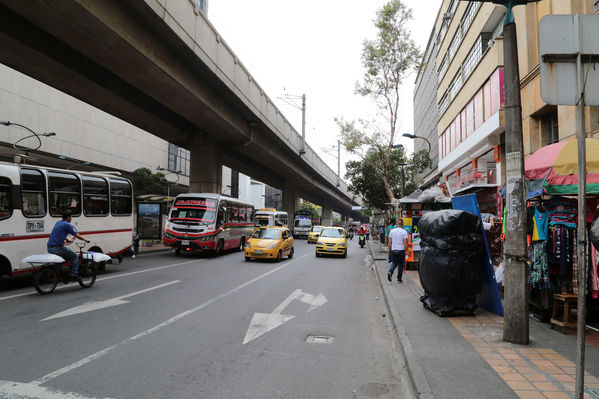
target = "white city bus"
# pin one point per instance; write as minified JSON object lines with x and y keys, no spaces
{"x":270,"y":217}
{"x":33,"y":199}
{"x":208,"y":222}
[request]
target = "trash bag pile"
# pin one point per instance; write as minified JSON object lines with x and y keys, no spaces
{"x":451,"y":261}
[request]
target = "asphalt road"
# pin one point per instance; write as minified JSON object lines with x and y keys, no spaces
{"x":161,"y":326}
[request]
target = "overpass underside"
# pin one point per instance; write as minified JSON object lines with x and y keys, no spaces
{"x":132,"y":59}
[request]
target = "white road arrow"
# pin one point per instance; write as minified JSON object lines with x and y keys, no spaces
{"x":95,"y":305}
{"x":264,"y":322}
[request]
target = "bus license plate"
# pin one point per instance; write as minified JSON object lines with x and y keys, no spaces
{"x":184,"y":242}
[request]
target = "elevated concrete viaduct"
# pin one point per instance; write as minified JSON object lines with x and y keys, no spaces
{"x":161,"y":65}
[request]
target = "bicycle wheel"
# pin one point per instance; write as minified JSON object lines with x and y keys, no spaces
{"x":45,"y":280}
{"x":87,"y":273}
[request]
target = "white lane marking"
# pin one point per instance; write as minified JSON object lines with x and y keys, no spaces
{"x":264,"y":322}
{"x":109,"y":277}
{"x":95,"y":305}
{"x":31,"y":391}
{"x":145,"y":333}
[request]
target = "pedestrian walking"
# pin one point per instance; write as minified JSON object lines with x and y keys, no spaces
{"x":397,"y":243}
{"x":390,"y":227}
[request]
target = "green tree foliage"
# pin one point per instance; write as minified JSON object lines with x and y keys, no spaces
{"x":387,"y":61}
{"x":316,"y":210}
{"x":146,"y":182}
{"x":365,"y":180}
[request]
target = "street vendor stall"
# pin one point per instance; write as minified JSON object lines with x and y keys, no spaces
{"x":414,"y":207}
{"x":552,"y":228}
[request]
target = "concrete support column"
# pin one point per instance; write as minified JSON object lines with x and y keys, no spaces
{"x":289,"y":200}
{"x":206,"y":167}
{"x":327,"y":215}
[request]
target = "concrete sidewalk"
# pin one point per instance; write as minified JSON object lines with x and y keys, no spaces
{"x":465,"y":357}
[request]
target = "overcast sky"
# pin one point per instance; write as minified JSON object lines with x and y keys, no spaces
{"x":314,"y":47}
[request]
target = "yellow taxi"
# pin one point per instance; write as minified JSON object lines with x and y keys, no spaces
{"x":332,"y":241}
{"x":271,"y":242}
{"x":314,"y":233}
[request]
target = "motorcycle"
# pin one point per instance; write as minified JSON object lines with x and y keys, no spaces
{"x":361,"y":240}
{"x":351,"y":235}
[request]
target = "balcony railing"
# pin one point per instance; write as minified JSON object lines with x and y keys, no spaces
{"x":472,"y":179}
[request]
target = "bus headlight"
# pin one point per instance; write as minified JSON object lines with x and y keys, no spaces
{"x":168,"y":235}
{"x":206,"y":238}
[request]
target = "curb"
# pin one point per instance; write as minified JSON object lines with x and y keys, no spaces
{"x":416,"y":378}
{"x":152,"y":251}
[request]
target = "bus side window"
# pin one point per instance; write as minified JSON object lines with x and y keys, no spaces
{"x":65,"y":193}
{"x":121,"y":197}
{"x":33,"y":189}
{"x":5,"y":198}
{"x":221,"y":216}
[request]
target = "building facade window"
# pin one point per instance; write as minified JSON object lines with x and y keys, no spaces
{"x":455,"y":44}
{"x":550,"y":128}
{"x":455,"y":86}
{"x":469,"y":16}
{"x":443,"y":67}
{"x":473,"y":115}
{"x":473,"y":58}
{"x":178,"y":159}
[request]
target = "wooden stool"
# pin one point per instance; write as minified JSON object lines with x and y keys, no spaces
{"x":569,"y":301}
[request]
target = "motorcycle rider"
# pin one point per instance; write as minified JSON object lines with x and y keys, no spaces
{"x":58,"y":238}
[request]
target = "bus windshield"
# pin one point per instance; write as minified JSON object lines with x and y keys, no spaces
{"x":263,"y":220}
{"x":267,"y":234}
{"x":198,"y":214}
{"x":302,"y":223}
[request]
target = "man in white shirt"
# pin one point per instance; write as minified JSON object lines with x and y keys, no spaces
{"x":396,"y":246}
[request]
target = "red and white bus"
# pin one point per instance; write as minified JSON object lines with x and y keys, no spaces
{"x":208,"y":222}
{"x":33,"y":199}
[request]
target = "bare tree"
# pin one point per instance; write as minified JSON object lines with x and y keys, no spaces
{"x":388,"y":60}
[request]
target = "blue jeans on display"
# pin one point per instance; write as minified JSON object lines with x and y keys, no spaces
{"x":69,"y":255}
{"x":398,"y":259}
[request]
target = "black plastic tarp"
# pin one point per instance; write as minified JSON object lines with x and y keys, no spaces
{"x":451,"y":260}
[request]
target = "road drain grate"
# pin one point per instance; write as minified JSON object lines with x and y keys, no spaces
{"x":319,"y":339}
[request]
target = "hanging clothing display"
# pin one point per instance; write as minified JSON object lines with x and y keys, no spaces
{"x":538,"y":273}
{"x":540,"y":223}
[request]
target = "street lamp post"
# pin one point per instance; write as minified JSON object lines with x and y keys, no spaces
{"x":168,"y":183}
{"x":413,"y":136}
{"x":16,"y":145}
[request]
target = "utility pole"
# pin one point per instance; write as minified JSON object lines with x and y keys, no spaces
{"x":288,"y":98}
{"x":338,"y":162}
{"x":303,"y":148}
{"x":516,"y":321}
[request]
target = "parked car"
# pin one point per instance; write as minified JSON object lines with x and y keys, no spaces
{"x":269,"y":243}
{"x":332,"y":241}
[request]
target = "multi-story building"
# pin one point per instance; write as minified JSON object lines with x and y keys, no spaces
{"x":426,"y":111}
{"x":544,"y":124}
{"x":470,"y":94}
{"x":470,"y":98}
